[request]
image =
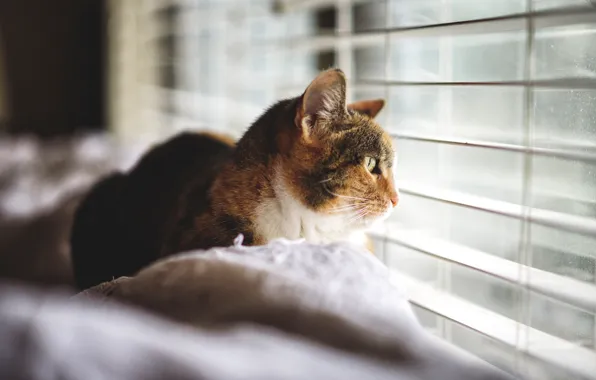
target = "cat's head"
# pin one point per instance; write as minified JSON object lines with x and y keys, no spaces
{"x":339,"y":160}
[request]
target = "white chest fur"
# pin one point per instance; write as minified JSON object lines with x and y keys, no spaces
{"x":284,"y":216}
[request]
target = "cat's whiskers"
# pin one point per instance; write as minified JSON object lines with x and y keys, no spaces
{"x":365,"y":214}
{"x":344,"y":196}
{"x":344,"y":207}
{"x":349,"y":197}
{"x":347,"y":208}
{"x":341,"y":210}
{"x":358,"y":214}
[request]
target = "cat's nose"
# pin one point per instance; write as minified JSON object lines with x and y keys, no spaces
{"x":394,"y":198}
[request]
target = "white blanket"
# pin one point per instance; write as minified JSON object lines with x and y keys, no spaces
{"x":289,"y":310}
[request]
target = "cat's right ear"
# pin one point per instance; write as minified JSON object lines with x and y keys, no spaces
{"x":370,"y":108}
{"x":324,"y":98}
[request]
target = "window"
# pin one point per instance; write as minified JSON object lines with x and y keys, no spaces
{"x":493,"y":107}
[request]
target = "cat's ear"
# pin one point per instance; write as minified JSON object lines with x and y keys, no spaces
{"x":324,"y":98}
{"x":370,"y":108}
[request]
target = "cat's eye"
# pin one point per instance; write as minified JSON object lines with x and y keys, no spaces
{"x":370,"y":163}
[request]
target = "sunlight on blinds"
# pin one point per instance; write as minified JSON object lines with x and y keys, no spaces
{"x":492,"y":107}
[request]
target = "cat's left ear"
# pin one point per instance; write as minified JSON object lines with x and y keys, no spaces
{"x":324,"y":99}
{"x":370,"y":108}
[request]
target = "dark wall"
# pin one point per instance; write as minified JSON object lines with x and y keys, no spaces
{"x":54,"y":61}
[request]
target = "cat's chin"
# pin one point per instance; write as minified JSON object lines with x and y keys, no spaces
{"x":371,"y":222}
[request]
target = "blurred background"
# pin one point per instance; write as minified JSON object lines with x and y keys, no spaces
{"x":492,"y":104}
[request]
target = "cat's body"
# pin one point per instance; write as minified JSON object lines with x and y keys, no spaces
{"x":124,"y":221}
{"x":310,"y":167}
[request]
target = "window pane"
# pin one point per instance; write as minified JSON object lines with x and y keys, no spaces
{"x":483,"y":172}
{"x":504,"y":356}
{"x":564,"y":252}
{"x":560,"y":320}
{"x":487,"y":57}
{"x":413,"y":263}
{"x":564,"y":185}
{"x":479,"y":113}
{"x":369,"y":62}
{"x":494,"y":234}
{"x":566,"y":52}
{"x":553,"y":4}
{"x":426,"y":12}
{"x":565,"y":118}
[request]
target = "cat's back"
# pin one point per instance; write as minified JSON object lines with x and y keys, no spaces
{"x":170,"y":180}
{"x":121,"y":225}
{"x":182,"y":154}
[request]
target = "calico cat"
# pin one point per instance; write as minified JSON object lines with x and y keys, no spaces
{"x":310,"y":167}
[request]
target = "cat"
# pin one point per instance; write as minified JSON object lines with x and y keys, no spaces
{"x":310,"y":167}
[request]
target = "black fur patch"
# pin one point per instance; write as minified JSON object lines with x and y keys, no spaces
{"x":235,"y":226}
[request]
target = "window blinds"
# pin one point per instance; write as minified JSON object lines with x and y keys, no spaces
{"x":493,"y":107}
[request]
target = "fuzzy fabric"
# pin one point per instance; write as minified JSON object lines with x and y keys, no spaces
{"x":41,"y":183}
{"x":36,"y":175}
{"x":288,"y":310}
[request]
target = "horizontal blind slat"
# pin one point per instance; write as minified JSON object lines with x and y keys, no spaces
{"x":570,"y":291}
{"x":556,"y":83}
{"x":566,"y":222}
{"x":542,"y":19}
{"x":534,"y":342}
{"x":548,"y":152}
{"x":515,"y":22}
